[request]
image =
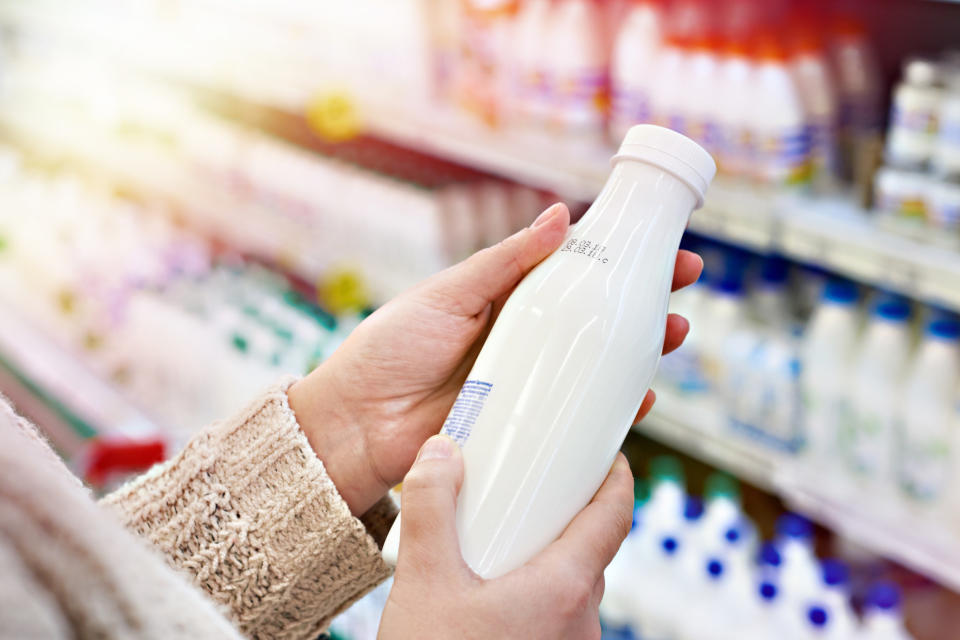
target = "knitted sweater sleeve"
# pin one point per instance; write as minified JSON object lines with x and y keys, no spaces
{"x":249,"y":512}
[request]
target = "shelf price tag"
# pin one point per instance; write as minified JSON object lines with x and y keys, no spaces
{"x":333,"y":116}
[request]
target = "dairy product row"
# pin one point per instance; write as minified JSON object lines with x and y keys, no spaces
{"x":862,"y":385}
{"x":696,"y":569}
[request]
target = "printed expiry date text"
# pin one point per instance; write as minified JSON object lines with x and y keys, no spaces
{"x":587,"y":248}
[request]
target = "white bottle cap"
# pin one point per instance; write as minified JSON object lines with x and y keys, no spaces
{"x":672,"y":152}
{"x":921,"y":72}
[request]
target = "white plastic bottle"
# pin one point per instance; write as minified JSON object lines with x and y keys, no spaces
{"x":700,"y":91}
{"x":579,"y":69}
{"x":913,"y":115}
{"x":734,"y":110}
{"x":556,"y":386}
{"x":799,"y":571}
{"x":531,"y":84}
{"x":836,"y":598}
{"x":811,"y":73}
{"x":667,"y":99}
{"x":882,"y":619}
{"x":633,"y":66}
{"x":769,"y":616}
{"x":925,"y":427}
{"x":827,"y":354}
{"x":713,"y":609}
{"x":870,"y":435}
{"x":781,"y":150}
{"x":616,"y":607}
{"x":946,"y":152}
{"x":726,"y":309}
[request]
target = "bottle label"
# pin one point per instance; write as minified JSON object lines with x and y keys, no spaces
{"x":584,"y":96}
{"x":925,"y":468}
{"x":630,"y":105}
{"x":784,"y":157}
{"x":586,"y":248}
{"x":465,"y":411}
{"x":914,"y":120}
{"x":869,"y":446}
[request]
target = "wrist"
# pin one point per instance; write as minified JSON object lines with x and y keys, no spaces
{"x":337,"y":439}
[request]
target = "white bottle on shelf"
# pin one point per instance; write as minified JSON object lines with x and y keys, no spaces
{"x":667,"y":99}
{"x":713,"y":608}
{"x":734,"y":107}
{"x":913,"y":115}
{"x":827,"y":354}
{"x":946,"y":151}
{"x":700,"y":90}
{"x":836,"y":598}
{"x":811,"y":73}
{"x":769,"y":616}
{"x":799,"y":571}
{"x":633,"y":67}
{"x":726,"y":309}
{"x":877,"y":377}
{"x":882,"y":619}
{"x":579,"y":69}
{"x":531,"y":81}
{"x":781,"y":149}
{"x":563,"y":371}
{"x":616,"y":607}
{"x":925,"y":428}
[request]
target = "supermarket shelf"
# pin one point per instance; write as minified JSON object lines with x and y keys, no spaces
{"x":831,"y":232}
{"x":49,"y":383}
{"x":883,"y":524}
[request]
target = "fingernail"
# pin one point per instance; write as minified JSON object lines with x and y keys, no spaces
{"x":546,"y":216}
{"x":439,"y":446}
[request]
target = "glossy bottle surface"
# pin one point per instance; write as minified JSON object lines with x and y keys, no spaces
{"x":563,"y":372}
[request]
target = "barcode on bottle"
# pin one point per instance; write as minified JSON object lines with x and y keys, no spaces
{"x":466,"y":409}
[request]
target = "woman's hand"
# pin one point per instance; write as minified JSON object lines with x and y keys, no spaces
{"x":555,"y":595}
{"x":389,"y":386}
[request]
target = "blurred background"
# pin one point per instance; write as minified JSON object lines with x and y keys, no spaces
{"x":198,"y":197}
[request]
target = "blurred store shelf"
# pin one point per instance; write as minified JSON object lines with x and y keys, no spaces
{"x":49,"y":383}
{"x":882,"y":524}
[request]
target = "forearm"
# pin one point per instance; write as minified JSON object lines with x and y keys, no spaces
{"x":248,"y":509}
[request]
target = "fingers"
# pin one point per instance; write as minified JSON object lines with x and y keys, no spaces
{"x":687,"y":269}
{"x":428,"y":532}
{"x":677,"y":329}
{"x":646,"y":405}
{"x":489,"y":274}
{"x":592,"y":538}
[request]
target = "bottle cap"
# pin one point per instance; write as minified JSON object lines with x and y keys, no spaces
{"x":884,"y":595}
{"x":790,"y":525}
{"x":666,"y":469}
{"x":672,"y":152}
{"x":768,"y":591}
{"x":693,"y":508}
{"x":840,"y":291}
{"x":920,"y":71}
{"x":945,"y":326}
{"x":641,"y":491}
{"x":714,"y":568}
{"x":770,"y":555}
{"x":722,"y":485}
{"x":892,"y":307}
{"x":817,"y":616}
{"x":835,"y":572}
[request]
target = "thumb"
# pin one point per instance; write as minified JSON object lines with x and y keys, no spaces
{"x":428,"y":528}
{"x":493,"y":272}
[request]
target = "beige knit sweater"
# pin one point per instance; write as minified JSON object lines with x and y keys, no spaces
{"x":246,"y":513}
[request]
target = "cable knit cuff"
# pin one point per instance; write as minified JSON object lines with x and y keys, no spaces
{"x":249,"y":511}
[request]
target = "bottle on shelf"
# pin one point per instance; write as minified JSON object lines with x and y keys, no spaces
{"x":633,"y":66}
{"x":532,"y":83}
{"x":736,"y":150}
{"x":877,"y":382}
{"x":799,"y":570}
{"x":558,"y":385}
{"x":925,"y":431}
{"x":913,"y":116}
{"x":882,"y":618}
{"x":579,"y":69}
{"x":811,"y":73}
{"x":827,"y":354}
{"x":782,"y":158}
{"x":836,"y":598}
